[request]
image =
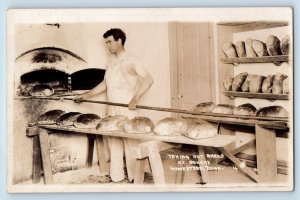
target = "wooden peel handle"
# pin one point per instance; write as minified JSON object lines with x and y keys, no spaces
{"x":169,"y":109}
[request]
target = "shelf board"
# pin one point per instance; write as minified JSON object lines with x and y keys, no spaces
{"x":264,"y":59}
{"x":253,"y":25}
{"x":257,"y":95}
{"x":240,"y":122}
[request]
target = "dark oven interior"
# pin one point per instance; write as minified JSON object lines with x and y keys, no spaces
{"x":85,"y":79}
{"x":58,"y":80}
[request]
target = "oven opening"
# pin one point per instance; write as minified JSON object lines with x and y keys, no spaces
{"x":87,"y":79}
{"x":58,"y":80}
{"x":47,"y":82}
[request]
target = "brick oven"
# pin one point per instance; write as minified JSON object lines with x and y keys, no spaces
{"x":68,"y":74}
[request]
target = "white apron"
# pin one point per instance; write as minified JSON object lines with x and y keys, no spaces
{"x":121,"y":90}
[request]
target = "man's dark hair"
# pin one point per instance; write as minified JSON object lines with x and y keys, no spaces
{"x":117,"y":34}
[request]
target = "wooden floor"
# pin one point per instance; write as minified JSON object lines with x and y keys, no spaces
{"x":228,"y":175}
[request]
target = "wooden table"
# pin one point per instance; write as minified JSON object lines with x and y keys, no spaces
{"x":265,"y":142}
{"x":220,"y":142}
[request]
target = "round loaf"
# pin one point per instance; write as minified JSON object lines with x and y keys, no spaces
{"x":87,"y":121}
{"x":41,"y":90}
{"x":170,"y":127}
{"x":201,"y":130}
{"x":272,"y":111}
{"x":112,"y":123}
{"x":245,"y":109}
{"x":49,"y":117}
{"x":138,"y":125}
{"x":67,"y":119}
{"x":223,"y":109}
{"x":204,"y":107}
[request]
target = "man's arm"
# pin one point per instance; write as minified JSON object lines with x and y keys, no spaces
{"x":101,"y":87}
{"x":144,"y":82}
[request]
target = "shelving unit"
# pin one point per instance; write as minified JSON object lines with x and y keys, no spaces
{"x":266,"y":65}
{"x":247,"y":64}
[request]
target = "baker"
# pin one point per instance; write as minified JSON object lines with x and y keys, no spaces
{"x":126,"y":81}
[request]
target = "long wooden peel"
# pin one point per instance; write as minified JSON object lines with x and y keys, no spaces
{"x":168,"y":109}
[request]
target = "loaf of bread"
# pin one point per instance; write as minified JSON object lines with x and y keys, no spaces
{"x":273,"y":45}
{"x":285,"y":45}
{"x":256,"y":84}
{"x":249,"y":50}
{"x":277,"y":87}
{"x":245,"y":109}
{"x":205,"y":107}
{"x":170,"y":127}
{"x":285,"y":86}
{"x":49,"y":117}
{"x":41,"y":90}
{"x":138,"y":125}
{"x":246,"y":84}
{"x":201,"y":130}
{"x":67,"y":119}
{"x":87,"y":121}
{"x":227,"y":83}
{"x":240,"y":49}
{"x":223,"y":109}
{"x":267,"y":84}
{"x":272,"y":111}
{"x":260,"y":48}
{"x":238,"y":81}
{"x":112,"y":123}
{"x":229,"y":50}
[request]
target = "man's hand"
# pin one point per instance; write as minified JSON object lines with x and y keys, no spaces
{"x":80,"y":97}
{"x":133,"y":103}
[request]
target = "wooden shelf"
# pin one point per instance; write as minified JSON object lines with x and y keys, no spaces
{"x":257,"y":95}
{"x":265,"y":59}
{"x":254,"y":25}
{"x":241,"y":121}
{"x":217,"y":141}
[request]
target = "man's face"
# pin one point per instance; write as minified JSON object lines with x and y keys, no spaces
{"x":112,"y":45}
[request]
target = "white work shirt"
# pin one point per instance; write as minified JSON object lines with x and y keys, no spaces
{"x":121,"y":82}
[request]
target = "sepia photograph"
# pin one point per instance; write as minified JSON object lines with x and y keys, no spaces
{"x":150,"y":100}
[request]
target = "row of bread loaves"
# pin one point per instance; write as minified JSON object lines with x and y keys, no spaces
{"x":165,"y":127}
{"x":244,"y":109}
{"x":256,"y":48}
{"x":244,"y":82}
{"x":62,"y":118}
